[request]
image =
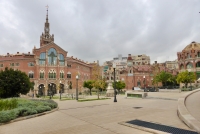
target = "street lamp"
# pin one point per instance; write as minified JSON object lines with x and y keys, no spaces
{"x":115,"y":99}
{"x":189,"y":74}
{"x":76,"y":87}
{"x":144,"y":82}
{"x":50,"y":90}
{"x":44,"y":91}
{"x":60,"y":90}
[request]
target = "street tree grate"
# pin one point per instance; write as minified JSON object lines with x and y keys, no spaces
{"x":160,"y":127}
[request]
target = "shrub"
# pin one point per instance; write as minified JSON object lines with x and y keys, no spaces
{"x":8,"y":104}
{"x":41,"y":109}
{"x":8,"y":115}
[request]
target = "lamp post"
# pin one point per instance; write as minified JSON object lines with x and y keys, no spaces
{"x":60,"y":90}
{"x":44,"y":91}
{"x":144,"y":83}
{"x":50,"y":91}
{"x":189,"y":74}
{"x":115,"y":99}
{"x":76,"y":87}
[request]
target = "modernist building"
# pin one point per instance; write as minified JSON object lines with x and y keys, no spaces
{"x":189,"y":58}
{"x":48,"y":66}
{"x":137,"y":72}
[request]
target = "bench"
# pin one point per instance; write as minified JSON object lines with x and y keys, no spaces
{"x":136,"y":94}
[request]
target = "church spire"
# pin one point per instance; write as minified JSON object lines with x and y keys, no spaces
{"x":47,"y":14}
{"x":46,"y":38}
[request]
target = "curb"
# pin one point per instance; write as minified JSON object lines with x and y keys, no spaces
{"x":184,"y":114}
{"x":30,"y":116}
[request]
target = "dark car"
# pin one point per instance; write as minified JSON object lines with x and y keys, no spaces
{"x":150,"y":89}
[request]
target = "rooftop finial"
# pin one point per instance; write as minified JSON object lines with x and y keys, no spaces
{"x":47,"y":13}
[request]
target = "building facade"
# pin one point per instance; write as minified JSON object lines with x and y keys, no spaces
{"x":189,"y":58}
{"x":48,"y":66}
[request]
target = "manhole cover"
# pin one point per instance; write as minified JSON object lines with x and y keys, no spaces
{"x":137,"y":107}
{"x":160,"y":127}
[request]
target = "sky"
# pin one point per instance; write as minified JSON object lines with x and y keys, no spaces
{"x":94,"y":30}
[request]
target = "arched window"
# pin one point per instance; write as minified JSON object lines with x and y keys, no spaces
{"x":198,"y":64}
{"x":61,"y":60}
{"x":52,"y":57}
{"x":41,"y":74}
{"x":42,"y":58}
{"x":52,"y":74}
{"x":182,"y":67}
{"x":189,"y":65}
{"x":31,"y":74}
{"x":62,"y":74}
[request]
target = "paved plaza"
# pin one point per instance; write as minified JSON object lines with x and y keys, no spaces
{"x":102,"y":116}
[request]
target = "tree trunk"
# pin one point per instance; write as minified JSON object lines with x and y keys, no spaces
{"x":90,"y":91}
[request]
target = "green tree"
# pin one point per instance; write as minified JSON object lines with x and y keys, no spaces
{"x":88,"y":84}
{"x":99,"y":84}
{"x":120,"y":85}
{"x":186,"y":77}
{"x":13,"y":82}
{"x":163,"y":77}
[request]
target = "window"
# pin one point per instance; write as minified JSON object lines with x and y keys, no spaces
{"x":182,"y":67}
{"x":52,"y":57}
{"x":52,"y":74}
{"x":30,"y":74}
{"x":198,"y":54}
{"x":42,"y":59}
{"x":12,"y":64}
{"x":69,"y":75}
{"x":188,"y":55}
{"x":42,"y":74}
{"x":61,"y":74}
{"x":1,"y":65}
{"x":30,"y":64}
{"x":189,"y":65}
{"x":198,"y":64}
{"x":69,"y":66}
{"x":61,"y":60}
{"x":16,"y":64}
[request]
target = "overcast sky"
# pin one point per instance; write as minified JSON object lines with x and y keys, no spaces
{"x":101,"y":29}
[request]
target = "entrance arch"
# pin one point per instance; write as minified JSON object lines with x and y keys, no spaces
{"x":41,"y":90}
{"x":51,"y":89}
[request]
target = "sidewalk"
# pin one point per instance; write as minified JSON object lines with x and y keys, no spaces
{"x":102,"y":116}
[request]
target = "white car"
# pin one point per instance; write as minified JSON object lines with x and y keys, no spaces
{"x":137,"y":88}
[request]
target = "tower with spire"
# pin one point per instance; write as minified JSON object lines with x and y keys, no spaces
{"x":46,"y":38}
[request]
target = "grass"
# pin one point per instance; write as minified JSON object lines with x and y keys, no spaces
{"x":82,"y":100}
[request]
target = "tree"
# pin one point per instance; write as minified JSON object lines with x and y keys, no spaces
{"x":119,"y":85}
{"x":99,"y":82}
{"x":163,"y":77}
{"x":186,"y":77}
{"x":13,"y":82}
{"x":88,"y":84}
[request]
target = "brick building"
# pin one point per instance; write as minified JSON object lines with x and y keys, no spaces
{"x":189,"y":58}
{"x":48,"y":66}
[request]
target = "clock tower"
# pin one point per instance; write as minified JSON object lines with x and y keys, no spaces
{"x":46,"y":38}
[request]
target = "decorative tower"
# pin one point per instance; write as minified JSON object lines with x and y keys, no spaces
{"x":46,"y":38}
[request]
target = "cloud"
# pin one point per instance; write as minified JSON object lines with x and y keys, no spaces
{"x":100,"y":30}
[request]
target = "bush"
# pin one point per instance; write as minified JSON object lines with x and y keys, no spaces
{"x":8,"y":115}
{"x":8,"y":104}
{"x":25,"y":107}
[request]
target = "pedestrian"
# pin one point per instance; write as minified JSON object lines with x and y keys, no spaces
{"x":33,"y":95}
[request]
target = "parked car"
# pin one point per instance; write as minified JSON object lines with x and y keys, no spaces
{"x":150,"y":89}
